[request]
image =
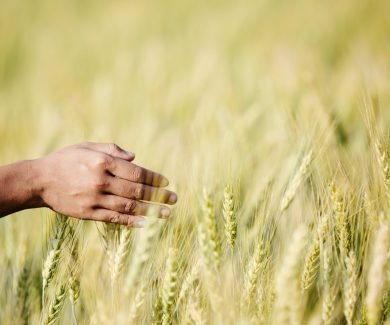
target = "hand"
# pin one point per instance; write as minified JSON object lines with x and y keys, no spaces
{"x":99,"y":182}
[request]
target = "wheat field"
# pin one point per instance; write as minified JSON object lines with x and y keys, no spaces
{"x":271,"y":120}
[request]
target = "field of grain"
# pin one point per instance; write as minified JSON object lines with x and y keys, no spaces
{"x":270,"y":118}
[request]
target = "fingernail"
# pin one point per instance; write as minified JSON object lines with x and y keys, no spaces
{"x":164,"y":181}
{"x":172,"y":198}
{"x":130,"y":154}
{"x":139,"y":222}
{"x":165,"y":212}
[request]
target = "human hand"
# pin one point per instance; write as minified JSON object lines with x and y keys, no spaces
{"x":95,"y":181}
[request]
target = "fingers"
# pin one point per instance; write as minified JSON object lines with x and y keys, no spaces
{"x":118,"y":218}
{"x":137,"y":174}
{"x":133,"y":207}
{"x":110,"y":149}
{"x":135,"y":191}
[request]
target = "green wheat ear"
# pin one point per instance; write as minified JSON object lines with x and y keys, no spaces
{"x":56,"y":306}
{"x":22,"y":294}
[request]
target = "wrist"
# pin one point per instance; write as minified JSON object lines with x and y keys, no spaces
{"x":35,"y":176}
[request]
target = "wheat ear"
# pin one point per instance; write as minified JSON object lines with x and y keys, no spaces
{"x":157,"y":314}
{"x":121,"y":254}
{"x":211,"y":228}
{"x":22,"y":295}
{"x":384,"y":163}
{"x":137,"y":304}
{"x":254,"y":267}
{"x":187,"y":284}
{"x":342,"y":222}
{"x":296,"y":182}
{"x":230,"y":218}
{"x":56,"y":306}
{"x":74,"y":265}
{"x":209,"y":266}
{"x":195,"y":310}
{"x":53,"y":257}
{"x":288,"y":293}
{"x":377,"y":273}
{"x":169,"y":286}
{"x":350,"y":288}
{"x":142,"y":252}
{"x":330,"y":294}
{"x":311,"y":266}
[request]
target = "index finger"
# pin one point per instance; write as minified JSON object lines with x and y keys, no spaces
{"x":131,"y":172}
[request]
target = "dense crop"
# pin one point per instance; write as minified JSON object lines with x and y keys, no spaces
{"x":271,"y":120}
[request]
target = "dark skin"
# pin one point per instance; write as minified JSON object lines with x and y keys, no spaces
{"x":89,"y":181}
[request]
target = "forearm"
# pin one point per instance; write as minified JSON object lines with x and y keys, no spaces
{"x":19,"y":187}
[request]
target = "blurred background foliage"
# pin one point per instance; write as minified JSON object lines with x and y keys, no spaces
{"x":75,"y":70}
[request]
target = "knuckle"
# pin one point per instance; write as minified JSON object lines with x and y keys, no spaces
{"x":101,"y":183}
{"x":130,"y":206}
{"x":131,"y":221}
{"x":113,"y":148}
{"x":83,"y":212}
{"x":115,"y":218}
{"x":104,"y":161}
{"x":138,"y":174}
{"x":93,"y":200}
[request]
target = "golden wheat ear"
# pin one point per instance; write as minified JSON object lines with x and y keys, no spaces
{"x":229,"y":216}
